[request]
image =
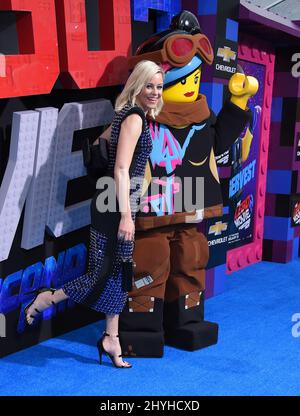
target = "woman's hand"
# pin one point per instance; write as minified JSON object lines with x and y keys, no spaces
{"x":126,"y":228}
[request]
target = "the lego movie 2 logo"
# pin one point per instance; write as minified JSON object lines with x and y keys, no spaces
{"x":243,"y":213}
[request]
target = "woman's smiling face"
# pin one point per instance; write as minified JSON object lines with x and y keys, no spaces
{"x":185,"y":91}
{"x":151,"y":93}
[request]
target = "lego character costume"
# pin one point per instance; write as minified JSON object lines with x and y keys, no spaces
{"x":167,"y":300}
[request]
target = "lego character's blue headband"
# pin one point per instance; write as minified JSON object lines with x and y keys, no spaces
{"x":178,"y":73}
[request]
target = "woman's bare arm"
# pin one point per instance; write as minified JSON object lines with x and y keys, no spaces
{"x":130,"y":132}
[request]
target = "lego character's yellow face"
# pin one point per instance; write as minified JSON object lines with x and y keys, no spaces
{"x":185,"y":91}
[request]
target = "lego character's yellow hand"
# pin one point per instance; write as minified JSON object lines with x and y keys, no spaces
{"x":242,"y":87}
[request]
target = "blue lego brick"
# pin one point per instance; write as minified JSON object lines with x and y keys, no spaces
{"x":206,"y":89}
{"x":207,"y":7}
{"x":279,"y":182}
{"x":220,"y":279}
{"x":169,"y":7}
{"x":164,"y":19}
{"x":276,"y":113}
{"x":214,"y":95}
{"x":217,"y":97}
{"x":296,"y":248}
{"x":232,"y":30}
{"x":278,"y":228}
{"x":225,"y":210}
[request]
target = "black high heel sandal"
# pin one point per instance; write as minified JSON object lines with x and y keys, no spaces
{"x":37,"y":292}
{"x":101,"y":351}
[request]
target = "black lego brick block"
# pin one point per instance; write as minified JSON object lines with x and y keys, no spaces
{"x":287,"y":131}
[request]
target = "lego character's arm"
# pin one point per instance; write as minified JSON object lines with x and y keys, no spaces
{"x":234,"y":115}
{"x":228,"y":126}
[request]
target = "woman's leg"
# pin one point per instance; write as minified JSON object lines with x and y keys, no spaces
{"x":43,"y":301}
{"x":112,"y":343}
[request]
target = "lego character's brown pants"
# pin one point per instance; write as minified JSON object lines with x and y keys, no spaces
{"x":170,"y":262}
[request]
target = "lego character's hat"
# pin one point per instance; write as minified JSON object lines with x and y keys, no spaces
{"x":178,"y":45}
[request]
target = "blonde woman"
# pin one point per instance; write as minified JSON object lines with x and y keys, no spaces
{"x":105,"y":286}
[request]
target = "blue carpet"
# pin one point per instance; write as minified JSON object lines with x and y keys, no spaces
{"x":256,"y":353}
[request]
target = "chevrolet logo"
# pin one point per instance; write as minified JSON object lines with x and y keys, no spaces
{"x":218,"y":228}
{"x":226,"y":53}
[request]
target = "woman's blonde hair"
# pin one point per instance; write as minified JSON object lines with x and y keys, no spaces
{"x":142,"y":73}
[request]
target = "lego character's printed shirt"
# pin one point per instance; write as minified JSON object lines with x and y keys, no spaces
{"x":184,"y":176}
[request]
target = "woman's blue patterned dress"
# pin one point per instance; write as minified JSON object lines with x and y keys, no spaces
{"x":103,"y":287}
